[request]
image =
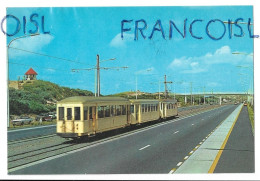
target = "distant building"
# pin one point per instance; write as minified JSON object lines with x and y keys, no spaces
{"x":30,"y":75}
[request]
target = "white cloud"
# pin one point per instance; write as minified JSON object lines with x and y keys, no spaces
{"x":223,"y":50}
{"x":200,"y":64}
{"x":118,"y":42}
{"x":30,"y":43}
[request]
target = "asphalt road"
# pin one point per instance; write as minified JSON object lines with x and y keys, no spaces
{"x":18,"y":134}
{"x":238,"y":154}
{"x":154,"y":150}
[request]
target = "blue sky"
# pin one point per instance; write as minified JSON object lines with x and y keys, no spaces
{"x":79,"y":34}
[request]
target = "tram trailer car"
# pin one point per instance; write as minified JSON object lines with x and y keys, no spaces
{"x":84,"y":116}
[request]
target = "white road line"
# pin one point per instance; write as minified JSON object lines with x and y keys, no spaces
{"x":191,"y":152}
{"x":171,"y":171}
{"x":176,"y":132}
{"x":179,"y":164}
{"x":186,"y":157}
{"x":192,"y":124}
{"x":144,"y":147}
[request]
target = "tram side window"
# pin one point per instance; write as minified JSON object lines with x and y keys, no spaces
{"x":61,"y":113}
{"x":146,"y":108}
{"x":107,"y":111}
{"x":132,"y":108}
{"x":156,"y":107}
{"x":112,"y":110}
{"x":77,"y":113}
{"x":143,"y":110}
{"x":85,"y":113}
{"x":123,"y":110}
{"x":100,"y":111}
{"x":90,"y":113}
{"x":118,"y":110}
{"x":152,"y":108}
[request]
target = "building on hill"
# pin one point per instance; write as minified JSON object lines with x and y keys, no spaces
{"x":30,"y":75}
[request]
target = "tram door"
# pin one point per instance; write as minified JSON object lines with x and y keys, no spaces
{"x":69,"y":124}
{"x":92,"y":118}
{"x":128,"y":114}
{"x":137,"y":112}
{"x":69,"y":113}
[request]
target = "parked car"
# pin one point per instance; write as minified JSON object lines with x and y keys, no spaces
{"x":22,"y":120}
{"x":43,"y":117}
{"x":52,"y":114}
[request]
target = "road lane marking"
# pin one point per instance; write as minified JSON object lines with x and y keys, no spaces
{"x":144,"y":147}
{"x":179,"y":164}
{"x":172,"y":170}
{"x":192,"y":124}
{"x":191,"y":152}
{"x":186,"y":157}
{"x":176,"y":132}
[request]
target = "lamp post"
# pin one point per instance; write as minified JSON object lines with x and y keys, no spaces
{"x":147,"y":70}
{"x":251,"y":68}
{"x":7,"y":60}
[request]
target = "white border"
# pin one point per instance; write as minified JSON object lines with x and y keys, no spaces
{"x":99,"y":3}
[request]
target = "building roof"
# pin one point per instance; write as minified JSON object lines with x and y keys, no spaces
{"x":31,"y":72}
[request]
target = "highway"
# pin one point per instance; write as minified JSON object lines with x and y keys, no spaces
{"x":156,"y":149}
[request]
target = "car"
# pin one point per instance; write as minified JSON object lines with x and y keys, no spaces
{"x":52,"y":114}
{"x":235,"y":103}
{"x":43,"y":117}
{"x":22,"y":120}
{"x":245,"y":104}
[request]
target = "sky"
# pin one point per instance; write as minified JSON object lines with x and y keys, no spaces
{"x":76,"y":35}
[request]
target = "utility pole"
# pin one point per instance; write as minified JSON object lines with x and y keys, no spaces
{"x":136,"y":87}
{"x":159,"y":90}
{"x":204,"y":94}
{"x":97,"y":75}
{"x":165,"y":86}
{"x":190,"y":93}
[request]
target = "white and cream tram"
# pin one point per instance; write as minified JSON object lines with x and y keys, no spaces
{"x":83,"y":116}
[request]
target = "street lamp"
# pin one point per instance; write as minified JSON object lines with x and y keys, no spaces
{"x":7,"y":60}
{"x":147,"y":70}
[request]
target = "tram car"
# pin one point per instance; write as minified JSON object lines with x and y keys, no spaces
{"x":84,"y":116}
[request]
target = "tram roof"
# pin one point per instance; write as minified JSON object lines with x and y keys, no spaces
{"x":168,"y":100}
{"x":144,"y":100}
{"x":85,"y":99}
